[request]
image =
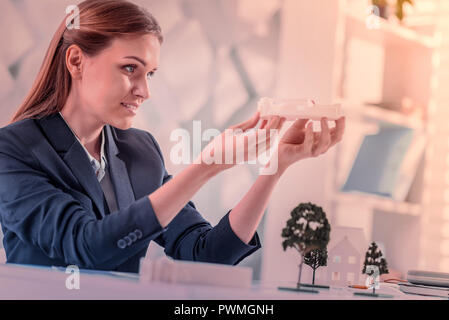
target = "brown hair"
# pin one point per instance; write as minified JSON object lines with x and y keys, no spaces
{"x":100,"y":21}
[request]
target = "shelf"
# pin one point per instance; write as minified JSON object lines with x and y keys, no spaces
{"x":370,"y":112}
{"x":379,"y":203}
{"x":387,"y":33}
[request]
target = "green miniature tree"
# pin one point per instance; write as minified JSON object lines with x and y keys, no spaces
{"x":315,"y":259}
{"x":373,"y":257}
{"x":306,"y":230}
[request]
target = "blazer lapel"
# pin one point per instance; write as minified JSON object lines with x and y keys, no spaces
{"x":73,"y":154}
{"x":119,"y":174}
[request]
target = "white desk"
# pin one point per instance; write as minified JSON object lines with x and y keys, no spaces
{"x":25,"y":282}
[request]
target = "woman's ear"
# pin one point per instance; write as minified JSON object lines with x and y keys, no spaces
{"x":74,"y":59}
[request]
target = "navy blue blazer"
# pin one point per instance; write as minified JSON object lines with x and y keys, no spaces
{"x":53,"y":211}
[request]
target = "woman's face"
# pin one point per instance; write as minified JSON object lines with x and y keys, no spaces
{"x":115,"y":82}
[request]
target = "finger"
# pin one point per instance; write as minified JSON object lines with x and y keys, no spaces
{"x":263,"y":124}
{"x":316,"y":139}
{"x":300,"y":123}
{"x":308,"y":139}
{"x":266,"y":123}
{"x":262,"y":143}
{"x":273,"y":123}
{"x":324,"y":139}
{"x":250,"y":123}
{"x":277,"y":126}
{"x":269,"y":130}
{"x":324,"y":126}
{"x":263,"y":132}
{"x":341,"y":125}
{"x":275,"y":134}
{"x":296,"y":131}
{"x":338,"y":131}
{"x":281,"y":123}
{"x":333,"y":132}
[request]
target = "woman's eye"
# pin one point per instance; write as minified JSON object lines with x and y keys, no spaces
{"x":130,"y":69}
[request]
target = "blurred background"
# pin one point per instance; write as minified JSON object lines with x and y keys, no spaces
{"x":388,"y":181}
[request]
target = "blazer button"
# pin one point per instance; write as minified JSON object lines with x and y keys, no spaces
{"x":138,"y":233}
{"x":121,"y":244}
{"x":128,"y":240}
{"x":133,"y":236}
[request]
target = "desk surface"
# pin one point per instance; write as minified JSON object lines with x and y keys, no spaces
{"x":27,"y":282}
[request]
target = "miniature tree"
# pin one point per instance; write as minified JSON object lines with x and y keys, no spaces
{"x":315,"y":259}
{"x":373,"y":257}
{"x":306,"y":230}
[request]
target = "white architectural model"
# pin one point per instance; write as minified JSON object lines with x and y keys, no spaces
{"x":344,"y":265}
{"x":293,"y":109}
{"x":346,"y":251}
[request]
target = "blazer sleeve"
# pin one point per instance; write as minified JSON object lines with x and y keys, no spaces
{"x":45,"y":216}
{"x":190,"y":237}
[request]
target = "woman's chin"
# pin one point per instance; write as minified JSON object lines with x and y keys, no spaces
{"x":122,"y":125}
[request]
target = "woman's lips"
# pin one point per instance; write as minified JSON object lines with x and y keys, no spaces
{"x":130,"y":108}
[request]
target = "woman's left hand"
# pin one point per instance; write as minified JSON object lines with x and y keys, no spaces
{"x":300,"y":142}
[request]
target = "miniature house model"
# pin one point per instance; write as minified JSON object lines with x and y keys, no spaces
{"x":344,"y":264}
{"x":346,"y":250}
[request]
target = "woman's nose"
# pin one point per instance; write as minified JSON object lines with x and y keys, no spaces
{"x":142,"y":90}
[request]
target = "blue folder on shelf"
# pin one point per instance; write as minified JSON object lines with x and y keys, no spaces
{"x":378,"y":162}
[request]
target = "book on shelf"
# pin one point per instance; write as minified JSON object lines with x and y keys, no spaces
{"x":387,"y":162}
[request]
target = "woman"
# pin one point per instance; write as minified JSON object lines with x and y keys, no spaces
{"x":78,"y":186}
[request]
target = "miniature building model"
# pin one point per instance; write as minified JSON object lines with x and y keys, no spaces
{"x":346,"y":250}
{"x":344,"y":264}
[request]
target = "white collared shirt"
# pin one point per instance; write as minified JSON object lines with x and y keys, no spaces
{"x":101,"y":172}
{"x":99,"y":167}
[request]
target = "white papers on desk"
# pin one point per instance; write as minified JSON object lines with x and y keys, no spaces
{"x":168,"y":270}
